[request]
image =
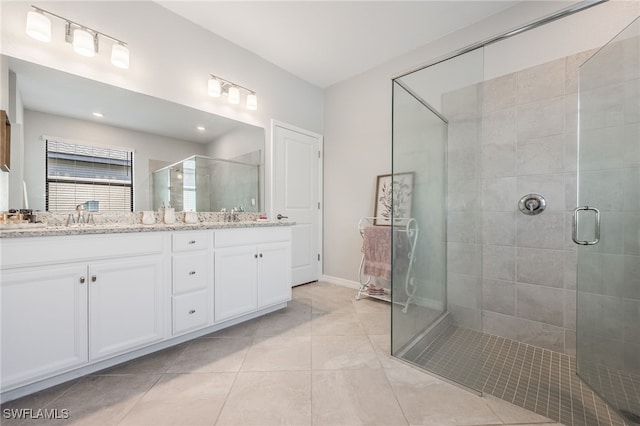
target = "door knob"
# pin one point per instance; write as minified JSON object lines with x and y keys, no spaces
{"x":281,"y":217}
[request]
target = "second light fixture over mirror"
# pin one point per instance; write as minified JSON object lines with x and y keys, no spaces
{"x":218,"y":86}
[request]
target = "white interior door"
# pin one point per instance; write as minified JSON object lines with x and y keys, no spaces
{"x":297,"y":184}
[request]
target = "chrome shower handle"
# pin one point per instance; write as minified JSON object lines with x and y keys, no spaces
{"x":574,"y":233}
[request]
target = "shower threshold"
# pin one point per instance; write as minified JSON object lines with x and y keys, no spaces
{"x":540,"y":380}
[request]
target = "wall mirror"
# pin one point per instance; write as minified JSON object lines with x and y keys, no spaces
{"x":53,"y":104}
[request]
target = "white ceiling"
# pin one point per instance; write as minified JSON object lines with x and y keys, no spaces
{"x":325,"y":42}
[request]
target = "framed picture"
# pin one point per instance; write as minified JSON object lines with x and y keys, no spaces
{"x":393,"y":192}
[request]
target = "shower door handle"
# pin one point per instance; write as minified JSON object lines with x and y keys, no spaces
{"x":574,"y":233}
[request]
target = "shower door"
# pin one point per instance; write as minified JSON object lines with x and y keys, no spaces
{"x":606,"y":226}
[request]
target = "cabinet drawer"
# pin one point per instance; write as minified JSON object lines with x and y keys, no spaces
{"x":190,"y":271}
{"x":18,"y":252}
{"x":189,"y":241}
{"x":240,"y":237}
{"x":189,"y":311}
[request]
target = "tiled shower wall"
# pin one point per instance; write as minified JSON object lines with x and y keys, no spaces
{"x":525,"y":142}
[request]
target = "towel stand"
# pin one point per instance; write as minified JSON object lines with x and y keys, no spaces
{"x":410,"y":228}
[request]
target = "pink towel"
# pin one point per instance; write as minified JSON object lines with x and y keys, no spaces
{"x":377,"y":251}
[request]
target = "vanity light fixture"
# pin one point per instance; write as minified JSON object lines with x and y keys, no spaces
{"x":84,"y":40}
{"x":84,"y":43}
{"x":233,"y":95}
{"x":120,"y":55}
{"x":252,"y":101}
{"x":38,"y":25}
{"x":214,"y":87}
{"x":217,"y":87}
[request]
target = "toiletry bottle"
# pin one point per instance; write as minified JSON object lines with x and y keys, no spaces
{"x":169,"y":214}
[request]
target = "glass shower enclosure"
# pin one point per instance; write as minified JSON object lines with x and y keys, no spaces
{"x":490,"y":285}
{"x":606,"y":226}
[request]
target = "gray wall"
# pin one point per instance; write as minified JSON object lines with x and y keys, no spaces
{"x":529,"y":143}
{"x":526,"y":142}
{"x":463,"y":110}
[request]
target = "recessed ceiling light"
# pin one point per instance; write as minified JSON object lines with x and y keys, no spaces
{"x":98,"y":114}
{"x":201,"y":128}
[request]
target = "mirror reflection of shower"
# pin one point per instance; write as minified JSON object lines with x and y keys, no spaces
{"x":200,"y":183}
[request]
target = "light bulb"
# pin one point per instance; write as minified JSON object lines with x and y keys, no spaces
{"x":213,"y":87}
{"x":252,"y":101}
{"x":120,"y":56}
{"x":83,"y":43}
{"x":38,"y":26}
{"x":234,"y":95}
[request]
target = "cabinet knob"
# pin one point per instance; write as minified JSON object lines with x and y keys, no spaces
{"x":192,"y":272}
{"x":260,"y":254}
{"x":192,"y":241}
{"x":94,"y":278}
{"x":192,"y":311}
{"x":82,"y":280}
{"x":255,"y":255}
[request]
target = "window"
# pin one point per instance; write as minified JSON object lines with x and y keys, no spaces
{"x":189,"y":185}
{"x":79,"y":173}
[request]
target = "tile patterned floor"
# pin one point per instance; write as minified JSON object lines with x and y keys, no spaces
{"x":537,"y":379}
{"x":324,"y":360}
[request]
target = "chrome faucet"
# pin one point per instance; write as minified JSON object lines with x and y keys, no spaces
{"x":231,"y":215}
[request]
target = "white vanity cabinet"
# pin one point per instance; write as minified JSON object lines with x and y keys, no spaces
{"x":44,"y":321}
{"x":252,"y":270}
{"x":67,"y":301}
{"x":76,"y":304}
{"x":192,"y":280}
{"x":126,"y":298}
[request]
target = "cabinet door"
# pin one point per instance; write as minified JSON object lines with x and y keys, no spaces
{"x":235,"y":281}
{"x":274,"y":274}
{"x":44,"y":322}
{"x":126,"y":304}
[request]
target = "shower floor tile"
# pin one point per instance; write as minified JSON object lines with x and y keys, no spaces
{"x":534,"y":378}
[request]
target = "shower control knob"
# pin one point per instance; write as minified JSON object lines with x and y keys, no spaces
{"x":532,"y":204}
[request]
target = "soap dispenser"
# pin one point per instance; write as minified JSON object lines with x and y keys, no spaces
{"x":169,"y":214}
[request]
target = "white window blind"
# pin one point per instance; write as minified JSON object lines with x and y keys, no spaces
{"x":79,"y":173}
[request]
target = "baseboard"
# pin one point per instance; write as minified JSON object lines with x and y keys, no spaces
{"x":340,"y":281}
{"x":421,"y":301}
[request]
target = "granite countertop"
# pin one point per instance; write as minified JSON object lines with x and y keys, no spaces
{"x":44,"y":230}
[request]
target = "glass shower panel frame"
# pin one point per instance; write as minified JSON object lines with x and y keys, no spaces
{"x":419,"y":284}
{"x":441,"y":331}
{"x":608,"y":285}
